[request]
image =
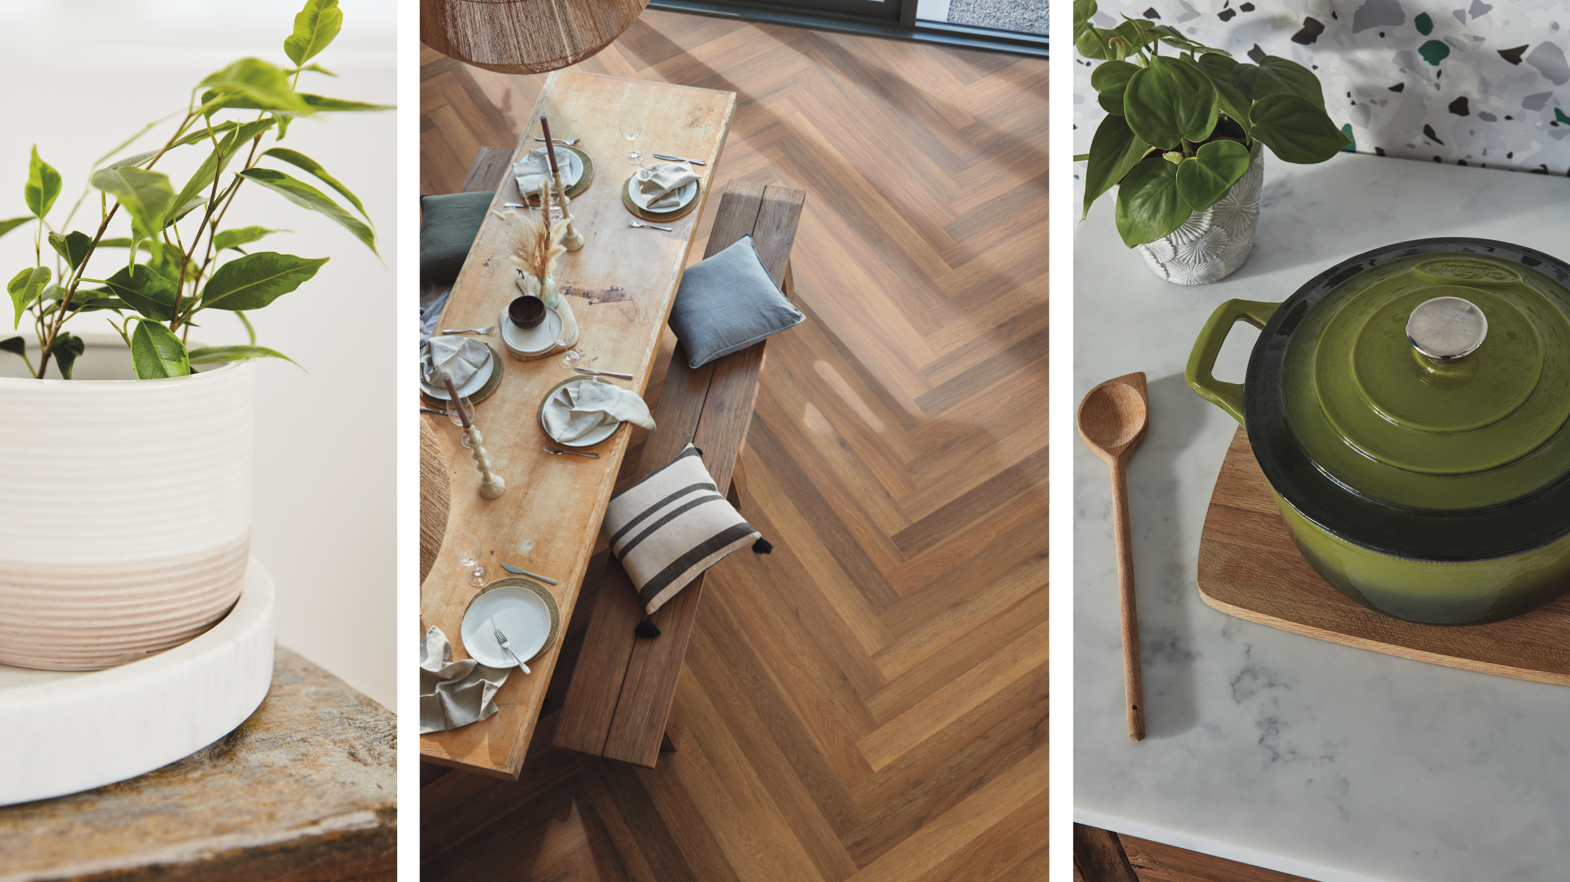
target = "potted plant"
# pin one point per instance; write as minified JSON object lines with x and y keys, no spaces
{"x":1181,"y":141}
{"x":125,"y":459}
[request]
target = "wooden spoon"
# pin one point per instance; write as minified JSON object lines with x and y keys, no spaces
{"x":1112,"y":420}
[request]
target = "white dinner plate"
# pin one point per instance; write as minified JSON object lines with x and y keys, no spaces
{"x":471,"y":386}
{"x":570,"y":163}
{"x":589,"y":440}
{"x":521,"y":615}
{"x":530,"y":341}
{"x":686,"y":194}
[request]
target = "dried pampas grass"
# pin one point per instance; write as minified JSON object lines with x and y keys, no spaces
{"x":534,"y":241}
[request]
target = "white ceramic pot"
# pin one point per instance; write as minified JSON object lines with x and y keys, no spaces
{"x":1213,"y":243}
{"x":125,"y":508}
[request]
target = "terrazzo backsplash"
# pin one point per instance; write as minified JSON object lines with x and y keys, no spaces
{"x":1464,"y":82}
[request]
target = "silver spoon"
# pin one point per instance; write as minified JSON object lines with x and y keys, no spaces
{"x":557,"y":452}
{"x":650,"y":226}
{"x":481,"y":331}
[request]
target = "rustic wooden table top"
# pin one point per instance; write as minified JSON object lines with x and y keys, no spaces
{"x":305,"y":789}
{"x":620,"y":285}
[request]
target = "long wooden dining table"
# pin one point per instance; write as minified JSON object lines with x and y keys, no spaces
{"x":620,"y":286}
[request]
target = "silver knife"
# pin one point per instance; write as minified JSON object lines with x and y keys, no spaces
{"x":517,"y":571}
{"x":679,"y":159}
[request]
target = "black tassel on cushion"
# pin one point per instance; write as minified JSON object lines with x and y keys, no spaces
{"x":647,"y":628}
{"x":762,"y":546}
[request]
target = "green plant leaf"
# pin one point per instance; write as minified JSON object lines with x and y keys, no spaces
{"x":261,"y":84}
{"x":135,"y":160}
{"x":144,"y":290}
{"x":66,"y":348}
{"x":242,"y":236}
{"x":1177,"y":39}
{"x":95,"y":300}
{"x":1207,"y":176}
{"x":314,"y":27}
{"x":1280,"y":76}
{"x":217,"y":354}
{"x":1295,"y":130}
{"x":73,"y":246}
{"x":124,"y":243}
{"x":157,"y":353}
{"x":25,"y":287}
{"x":1109,"y":80}
{"x":1234,"y":103}
{"x":255,"y":280}
{"x":319,"y":102}
{"x":314,"y":68}
{"x":7,"y":226}
{"x":1083,"y":10}
{"x":1135,"y":33}
{"x":201,"y":134}
{"x":1101,"y":43}
{"x":1149,"y":206}
{"x":147,"y":195}
{"x":17,"y":345}
{"x":43,"y":185}
{"x":300,"y":160}
{"x":1113,"y":151}
{"x":306,"y":196}
{"x":1170,"y":101}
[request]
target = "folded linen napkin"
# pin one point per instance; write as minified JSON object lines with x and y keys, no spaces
{"x":457,"y":357}
{"x":454,"y":694}
{"x":577,"y":409}
{"x":533,"y":171}
{"x":660,"y":184}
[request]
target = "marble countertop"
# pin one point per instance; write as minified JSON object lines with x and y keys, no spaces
{"x":1267,"y":747}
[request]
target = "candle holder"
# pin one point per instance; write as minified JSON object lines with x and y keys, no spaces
{"x":491,"y":484}
{"x":570,"y":240}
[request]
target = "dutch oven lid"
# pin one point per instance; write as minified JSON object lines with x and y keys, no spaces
{"x":1415,"y":399}
{"x":1438,"y":382}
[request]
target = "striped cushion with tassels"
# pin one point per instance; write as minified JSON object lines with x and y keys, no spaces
{"x":670,"y":527}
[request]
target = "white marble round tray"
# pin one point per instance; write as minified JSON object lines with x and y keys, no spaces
{"x":66,"y":731}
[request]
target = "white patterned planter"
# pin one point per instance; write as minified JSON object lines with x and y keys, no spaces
{"x":1213,"y":243}
{"x":126,"y":520}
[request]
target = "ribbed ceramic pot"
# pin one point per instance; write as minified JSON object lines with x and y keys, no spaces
{"x":1213,"y":243}
{"x":1410,"y":408}
{"x":127,"y":508}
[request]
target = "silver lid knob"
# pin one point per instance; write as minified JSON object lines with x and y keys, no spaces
{"x":1447,"y":328}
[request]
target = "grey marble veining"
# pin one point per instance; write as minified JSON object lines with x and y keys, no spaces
{"x":1267,"y":747}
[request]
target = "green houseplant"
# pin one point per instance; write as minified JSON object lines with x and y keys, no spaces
{"x":180,"y":259}
{"x":1182,"y":127}
{"x":134,"y":469}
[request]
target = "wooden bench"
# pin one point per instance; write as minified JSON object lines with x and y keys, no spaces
{"x":619,"y":702}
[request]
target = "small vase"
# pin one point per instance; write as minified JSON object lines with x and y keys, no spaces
{"x":568,"y":337}
{"x":1213,"y":243}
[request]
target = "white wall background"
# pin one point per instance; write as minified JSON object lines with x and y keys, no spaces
{"x":1472,"y":82}
{"x":79,"y":76}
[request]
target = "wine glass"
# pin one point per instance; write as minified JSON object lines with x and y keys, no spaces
{"x":631,"y":128}
{"x":457,"y":419}
{"x":467,"y":550}
{"x":571,"y":357}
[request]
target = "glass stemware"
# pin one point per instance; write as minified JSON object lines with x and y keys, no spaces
{"x":467,"y":550}
{"x":631,"y":128}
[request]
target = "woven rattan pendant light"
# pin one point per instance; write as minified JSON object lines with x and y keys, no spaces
{"x":524,"y":36}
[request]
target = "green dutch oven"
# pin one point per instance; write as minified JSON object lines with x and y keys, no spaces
{"x":1411,"y":410}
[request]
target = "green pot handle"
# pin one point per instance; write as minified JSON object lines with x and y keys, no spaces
{"x":1201,"y":361}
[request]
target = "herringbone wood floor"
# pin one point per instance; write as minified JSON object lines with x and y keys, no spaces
{"x":870,"y":700}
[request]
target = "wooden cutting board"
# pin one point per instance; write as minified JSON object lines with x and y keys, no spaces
{"x":1249,"y":568}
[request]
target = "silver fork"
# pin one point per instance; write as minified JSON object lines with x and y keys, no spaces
{"x":502,"y":639}
{"x":650,"y":226}
{"x":553,"y":451}
{"x":481,"y":331}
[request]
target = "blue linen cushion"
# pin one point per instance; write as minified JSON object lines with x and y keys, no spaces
{"x":728,"y":302}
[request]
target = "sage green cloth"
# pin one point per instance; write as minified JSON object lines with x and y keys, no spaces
{"x":454,"y":693}
{"x":448,"y":225}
